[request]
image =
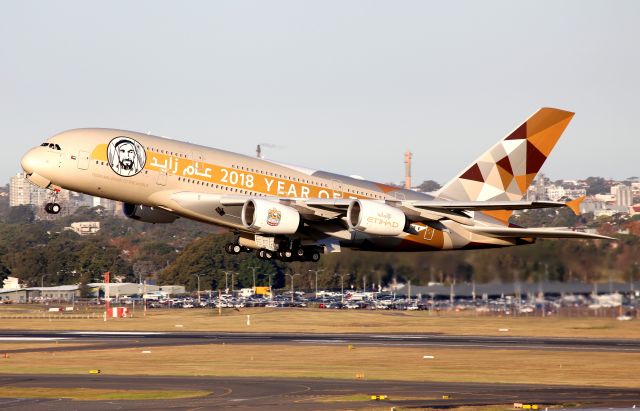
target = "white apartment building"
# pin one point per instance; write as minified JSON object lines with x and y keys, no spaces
{"x":623,"y":195}
{"x":555,"y":193}
{"x":19,"y":190}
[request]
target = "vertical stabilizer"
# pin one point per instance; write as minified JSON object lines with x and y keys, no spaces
{"x":505,"y":171}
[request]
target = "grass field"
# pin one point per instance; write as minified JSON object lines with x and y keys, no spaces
{"x":337,"y":361}
{"x":333,"y":321}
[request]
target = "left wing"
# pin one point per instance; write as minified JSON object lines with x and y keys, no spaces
{"x":284,"y":215}
{"x":536,"y":232}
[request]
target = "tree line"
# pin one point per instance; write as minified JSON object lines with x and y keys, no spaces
{"x":43,"y":252}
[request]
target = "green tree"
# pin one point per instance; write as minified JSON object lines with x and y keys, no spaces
{"x":429,"y":186}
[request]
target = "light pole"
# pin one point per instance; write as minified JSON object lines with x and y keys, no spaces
{"x":232,"y":281}
{"x":226,"y":280}
{"x":270,"y":290}
{"x":198,"y":275}
{"x":341,"y":286}
{"x":292,"y":276}
{"x":254,"y":278}
{"x":316,"y":271}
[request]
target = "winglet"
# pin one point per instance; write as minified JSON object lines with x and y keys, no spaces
{"x":574,"y":204}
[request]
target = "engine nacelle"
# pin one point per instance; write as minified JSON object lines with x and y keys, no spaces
{"x":375,"y":218}
{"x":269,"y":217}
{"x":148,"y":214}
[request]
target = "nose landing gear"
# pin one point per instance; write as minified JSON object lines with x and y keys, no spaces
{"x":52,"y":208}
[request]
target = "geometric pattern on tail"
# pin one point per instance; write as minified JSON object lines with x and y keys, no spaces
{"x":506,"y":170}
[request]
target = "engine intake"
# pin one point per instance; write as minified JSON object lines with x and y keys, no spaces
{"x":376,"y":218}
{"x":148,"y":214}
{"x":269,"y":217}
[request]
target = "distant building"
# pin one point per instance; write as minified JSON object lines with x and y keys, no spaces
{"x":623,"y":195}
{"x":128,"y":289}
{"x":30,"y":294}
{"x":607,"y":198}
{"x":11,"y":283}
{"x":19,"y":190}
{"x":85,"y":227}
{"x":22,"y":192}
{"x":109,"y":206}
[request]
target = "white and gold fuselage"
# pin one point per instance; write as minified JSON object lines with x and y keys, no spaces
{"x":217,"y":187}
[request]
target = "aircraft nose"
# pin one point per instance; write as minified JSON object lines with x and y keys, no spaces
{"x":29,"y":162}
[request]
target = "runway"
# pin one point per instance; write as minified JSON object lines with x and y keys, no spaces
{"x":303,"y":394}
{"x":125,"y":339}
{"x":306,"y":394}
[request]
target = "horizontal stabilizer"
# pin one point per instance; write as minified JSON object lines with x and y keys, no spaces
{"x":499,"y":231}
{"x":486,"y":205}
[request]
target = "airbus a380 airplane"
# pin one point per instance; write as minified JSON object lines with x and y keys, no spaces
{"x":293,"y":213}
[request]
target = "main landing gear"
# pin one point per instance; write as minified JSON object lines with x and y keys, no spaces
{"x":235,"y":248}
{"x":301,"y":253}
{"x":305,"y":253}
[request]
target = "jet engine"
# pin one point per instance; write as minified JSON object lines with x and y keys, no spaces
{"x":373,"y":217}
{"x":269,"y":217}
{"x":148,"y":214}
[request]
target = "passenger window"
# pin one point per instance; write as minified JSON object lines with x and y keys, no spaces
{"x":44,"y":145}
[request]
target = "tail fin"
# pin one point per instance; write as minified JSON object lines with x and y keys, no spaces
{"x":506,"y":170}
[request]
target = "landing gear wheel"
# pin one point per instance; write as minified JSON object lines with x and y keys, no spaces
{"x":236,"y":248}
{"x":52,"y":208}
{"x":228,"y":248}
{"x":315,"y":256}
{"x":300,"y":252}
{"x":268,"y":255}
{"x":260,"y":254}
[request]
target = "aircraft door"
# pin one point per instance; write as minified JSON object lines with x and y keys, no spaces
{"x":83,"y":160}
{"x":162,"y":177}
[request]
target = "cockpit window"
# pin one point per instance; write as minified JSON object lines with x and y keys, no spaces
{"x":51,"y":146}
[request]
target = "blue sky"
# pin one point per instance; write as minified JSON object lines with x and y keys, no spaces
{"x":344,"y":86}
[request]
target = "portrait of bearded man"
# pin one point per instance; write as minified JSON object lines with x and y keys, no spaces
{"x":126,"y":157}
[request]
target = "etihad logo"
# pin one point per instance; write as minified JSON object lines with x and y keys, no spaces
{"x":273,"y":217}
{"x":383,"y":219}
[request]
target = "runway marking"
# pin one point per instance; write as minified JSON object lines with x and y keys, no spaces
{"x":403,"y":337}
{"x":445,"y":345}
{"x":122,"y":333}
{"x":32,"y":338}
